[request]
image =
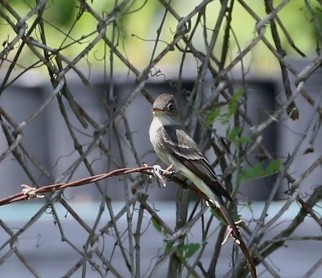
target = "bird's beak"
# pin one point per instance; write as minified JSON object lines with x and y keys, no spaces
{"x":157,"y":110}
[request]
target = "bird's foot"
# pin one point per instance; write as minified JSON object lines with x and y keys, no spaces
{"x":30,"y":192}
{"x":230,"y":232}
{"x":162,"y":175}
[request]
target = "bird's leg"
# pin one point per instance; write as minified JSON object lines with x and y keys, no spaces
{"x":168,"y":169}
{"x":230,"y":232}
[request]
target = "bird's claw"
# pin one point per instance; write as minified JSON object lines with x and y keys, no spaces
{"x":161,"y":175}
{"x":30,"y":192}
{"x":229,"y":232}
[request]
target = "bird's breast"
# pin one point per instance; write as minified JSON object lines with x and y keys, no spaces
{"x":155,"y":134}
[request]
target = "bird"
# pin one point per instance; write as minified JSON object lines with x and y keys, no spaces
{"x":177,"y":149}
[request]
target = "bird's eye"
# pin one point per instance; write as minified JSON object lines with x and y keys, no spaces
{"x":170,"y":106}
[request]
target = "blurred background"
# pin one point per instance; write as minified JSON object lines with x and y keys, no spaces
{"x":110,"y":82}
{"x":114,"y":58}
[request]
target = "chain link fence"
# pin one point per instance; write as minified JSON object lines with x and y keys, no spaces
{"x":77,"y":80}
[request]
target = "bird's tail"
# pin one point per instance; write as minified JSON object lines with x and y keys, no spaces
{"x":221,"y":206}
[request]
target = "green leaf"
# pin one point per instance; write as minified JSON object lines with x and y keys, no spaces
{"x":158,"y":227}
{"x":212,"y":116}
{"x":189,"y":249}
{"x":274,"y":166}
{"x":232,"y":108}
{"x":253,"y":172}
{"x":234,"y":135}
{"x":168,"y":246}
{"x":233,"y":105}
{"x":236,"y":217}
{"x":258,"y":170}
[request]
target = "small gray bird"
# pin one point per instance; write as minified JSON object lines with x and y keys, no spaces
{"x":175,"y":147}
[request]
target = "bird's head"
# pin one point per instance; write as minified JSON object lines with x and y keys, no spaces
{"x":165,"y":106}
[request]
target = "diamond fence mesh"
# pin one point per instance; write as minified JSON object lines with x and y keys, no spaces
{"x":77,"y":82}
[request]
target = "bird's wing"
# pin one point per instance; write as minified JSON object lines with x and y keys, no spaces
{"x":178,"y":143}
{"x":183,"y":147}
